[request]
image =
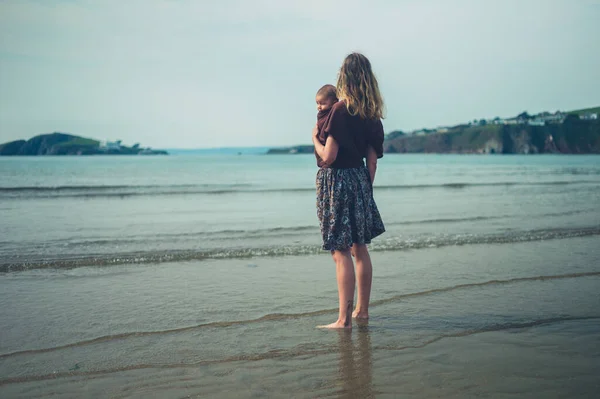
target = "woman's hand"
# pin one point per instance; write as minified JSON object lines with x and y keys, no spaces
{"x":327,"y":152}
{"x":315,"y":135}
{"x":371,"y":163}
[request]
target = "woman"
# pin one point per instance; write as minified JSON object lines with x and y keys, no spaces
{"x":347,"y":213}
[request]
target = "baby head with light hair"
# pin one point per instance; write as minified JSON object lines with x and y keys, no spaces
{"x":326,"y":97}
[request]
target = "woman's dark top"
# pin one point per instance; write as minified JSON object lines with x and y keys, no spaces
{"x":353,"y":135}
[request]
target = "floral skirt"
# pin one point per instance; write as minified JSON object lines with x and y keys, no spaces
{"x":346,"y":209}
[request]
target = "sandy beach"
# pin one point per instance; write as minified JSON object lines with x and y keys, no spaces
{"x":180,"y":277}
{"x":454,"y":322}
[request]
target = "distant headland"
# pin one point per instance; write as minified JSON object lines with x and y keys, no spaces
{"x":573,"y":132}
{"x":67,"y":144}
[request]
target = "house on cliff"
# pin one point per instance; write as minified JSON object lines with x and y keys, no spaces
{"x":513,"y":121}
{"x":557,"y":117}
{"x":110,"y":145}
{"x":537,"y":122}
{"x":589,"y":117}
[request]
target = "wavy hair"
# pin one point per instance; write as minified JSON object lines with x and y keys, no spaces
{"x":358,"y":86}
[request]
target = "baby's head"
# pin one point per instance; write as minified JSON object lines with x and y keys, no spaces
{"x":326,"y":97}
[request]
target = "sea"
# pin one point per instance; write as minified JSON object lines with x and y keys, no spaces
{"x":202,"y":275}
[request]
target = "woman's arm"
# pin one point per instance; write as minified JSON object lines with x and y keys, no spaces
{"x":372,"y":162}
{"x":327,"y":152}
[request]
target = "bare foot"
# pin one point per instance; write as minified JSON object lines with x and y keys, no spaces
{"x":338,"y":324}
{"x":357,"y":314}
{"x":342,"y":321}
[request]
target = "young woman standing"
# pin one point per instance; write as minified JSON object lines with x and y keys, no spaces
{"x":347,"y":212}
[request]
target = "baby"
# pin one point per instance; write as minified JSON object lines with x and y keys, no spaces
{"x":326,"y":97}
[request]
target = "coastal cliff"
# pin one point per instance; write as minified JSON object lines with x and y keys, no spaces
{"x":574,"y":132}
{"x":67,"y":144}
{"x":573,"y":136}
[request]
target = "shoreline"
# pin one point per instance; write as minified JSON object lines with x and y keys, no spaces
{"x":442,"y":323}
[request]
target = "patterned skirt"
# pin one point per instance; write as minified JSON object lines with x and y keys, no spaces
{"x":346,"y":209}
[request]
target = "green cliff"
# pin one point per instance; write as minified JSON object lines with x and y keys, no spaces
{"x":67,"y":144}
{"x":573,"y":132}
{"x":573,"y":136}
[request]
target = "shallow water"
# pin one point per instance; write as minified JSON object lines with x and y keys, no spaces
{"x":237,"y":329}
{"x":480,"y":290}
{"x":69,"y":212}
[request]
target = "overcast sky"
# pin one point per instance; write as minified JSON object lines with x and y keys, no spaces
{"x":192,"y":73}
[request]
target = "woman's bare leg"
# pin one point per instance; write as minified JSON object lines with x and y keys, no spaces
{"x":364,"y":277}
{"x":344,"y":270}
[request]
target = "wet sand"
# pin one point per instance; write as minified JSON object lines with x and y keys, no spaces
{"x":498,"y":320}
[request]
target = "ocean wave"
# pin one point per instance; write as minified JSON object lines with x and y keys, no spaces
{"x":278,"y":231}
{"x":301,"y":350}
{"x":118,"y":190}
{"x":274,"y":317}
{"x":387,"y":244}
{"x":91,"y":191}
{"x":578,"y":171}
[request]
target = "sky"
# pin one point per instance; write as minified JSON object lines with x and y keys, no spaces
{"x":202,"y":74}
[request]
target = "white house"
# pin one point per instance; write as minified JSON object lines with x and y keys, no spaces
{"x":557,"y":117}
{"x":589,"y":117}
{"x":110,"y":145}
{"x":536,"y":122}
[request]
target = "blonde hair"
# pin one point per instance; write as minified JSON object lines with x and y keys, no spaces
{"x":358,"y":86}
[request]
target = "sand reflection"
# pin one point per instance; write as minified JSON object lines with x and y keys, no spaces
{"x":356,"y":366}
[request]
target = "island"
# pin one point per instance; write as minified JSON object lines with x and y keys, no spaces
{"x":299,"y":149}
{"x":574,"y":132}
{"x":67,"y":144}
